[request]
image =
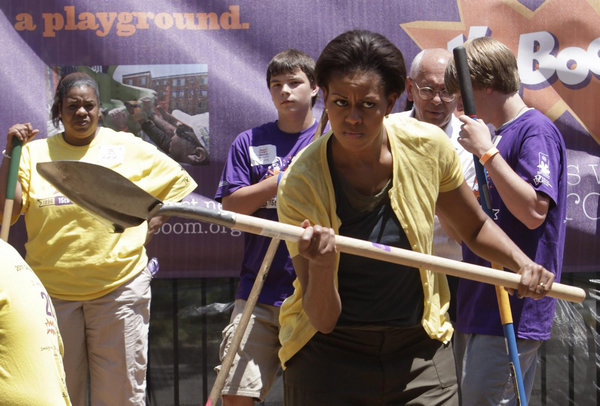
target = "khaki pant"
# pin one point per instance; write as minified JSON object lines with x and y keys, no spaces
{"x":256,"y":363}
{"x":483,"y":369}
{"x":106,"y":339}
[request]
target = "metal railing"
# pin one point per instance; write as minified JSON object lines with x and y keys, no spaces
{"x":188,"y":316}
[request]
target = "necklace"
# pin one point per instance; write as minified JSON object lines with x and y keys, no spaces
{"x":519,"y":113}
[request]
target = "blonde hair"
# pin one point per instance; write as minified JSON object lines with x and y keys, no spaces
{"x":491,"y":65}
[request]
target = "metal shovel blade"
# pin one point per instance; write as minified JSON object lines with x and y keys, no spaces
{"x":101,"y":191}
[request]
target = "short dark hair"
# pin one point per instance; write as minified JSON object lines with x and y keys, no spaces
{"x":66,"y":83}
{"x":362,"y":51}
{"x":289,"y":61}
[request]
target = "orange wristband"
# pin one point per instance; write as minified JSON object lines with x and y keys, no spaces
{"x":489,"y":153}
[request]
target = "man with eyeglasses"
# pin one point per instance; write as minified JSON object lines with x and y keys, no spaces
{"x":433,"y":104}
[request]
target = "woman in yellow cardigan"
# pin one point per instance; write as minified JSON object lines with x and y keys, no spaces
{"x":356,"y":330}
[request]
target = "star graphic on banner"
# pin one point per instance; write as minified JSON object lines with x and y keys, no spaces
{"x":506,"y":20}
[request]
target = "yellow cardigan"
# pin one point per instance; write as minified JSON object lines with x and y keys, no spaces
{"x":425,"y":163}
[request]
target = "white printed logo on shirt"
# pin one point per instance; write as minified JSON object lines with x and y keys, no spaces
{"x":262,"y":154}
{"x":111,"y":154}
{"x":543,"y":173}
{"x":271,"y":203}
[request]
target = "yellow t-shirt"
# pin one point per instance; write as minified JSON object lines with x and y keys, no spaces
{"x":31,"y":367}
{"x":76,"y":256}
{"x":425,"y":163}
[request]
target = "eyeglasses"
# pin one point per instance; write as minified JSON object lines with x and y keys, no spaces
{"x":428,"y":93}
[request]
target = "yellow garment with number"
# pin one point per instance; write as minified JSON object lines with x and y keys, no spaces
{"x":31,"y":368}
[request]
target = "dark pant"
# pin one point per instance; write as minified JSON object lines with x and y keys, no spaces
{"x":395,"y":366}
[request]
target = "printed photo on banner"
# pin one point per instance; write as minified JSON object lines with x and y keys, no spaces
{"x":166,"y":105}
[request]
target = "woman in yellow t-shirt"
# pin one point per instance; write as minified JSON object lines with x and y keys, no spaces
{"x":98,"y":280}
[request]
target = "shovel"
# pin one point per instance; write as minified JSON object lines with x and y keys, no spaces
{"x":107,"y":194}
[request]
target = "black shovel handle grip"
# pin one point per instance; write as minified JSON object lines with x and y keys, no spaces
{"x":464,"y":80}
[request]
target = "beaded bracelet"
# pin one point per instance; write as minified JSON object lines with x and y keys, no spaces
{"x":486,"y":157}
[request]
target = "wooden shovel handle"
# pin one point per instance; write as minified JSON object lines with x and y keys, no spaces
{"x":215,"y":392}
{"x":364,"y":248}
{"x":11,"y":184}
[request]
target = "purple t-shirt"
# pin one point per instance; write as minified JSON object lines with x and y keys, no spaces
{"x":257,"y":154}
{"x":534,"y":148}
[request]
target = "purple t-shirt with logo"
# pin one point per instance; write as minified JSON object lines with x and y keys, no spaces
{"x":534,"y":148}
{"x":257,"y":154}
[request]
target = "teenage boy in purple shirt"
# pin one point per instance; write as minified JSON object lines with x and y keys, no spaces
{"x":249,"y":185}
{"x":526,"y":172}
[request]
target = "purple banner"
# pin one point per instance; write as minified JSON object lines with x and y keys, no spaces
{"x":202,"y":64}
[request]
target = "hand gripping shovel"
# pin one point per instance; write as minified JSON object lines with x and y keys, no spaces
{"x":113,"y":197}
{"x":11,"y":185}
